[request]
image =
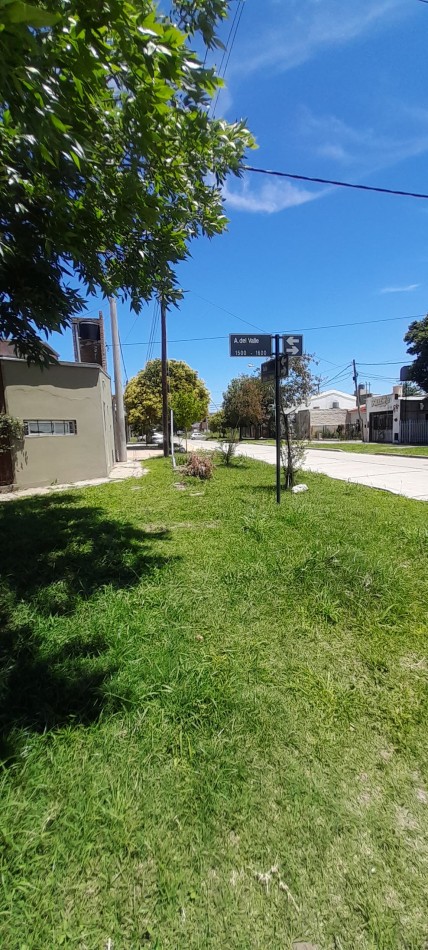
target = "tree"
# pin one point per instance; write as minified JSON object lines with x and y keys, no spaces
{"x":296,"y":389}
{"x":417,"y":340}
{"x":411,"y":389}
{"x":242,"y":403}
{"x":143,"y":394}
{"x":216,"y":422}
{"x":110,"y":161}
{"x":188,"y":407}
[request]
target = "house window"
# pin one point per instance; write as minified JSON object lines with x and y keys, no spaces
{"x":335,"y":405}
{"x":50,"y":427}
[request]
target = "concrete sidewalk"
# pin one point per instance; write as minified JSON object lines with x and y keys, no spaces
{"x":399,"y":475}
{"x":122,"y":470}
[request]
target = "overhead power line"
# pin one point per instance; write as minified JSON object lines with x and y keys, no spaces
{"x":388,"y":362}
{"x":337,"y":184}
{"x":224,"y":62}
{"x":328,"y":326}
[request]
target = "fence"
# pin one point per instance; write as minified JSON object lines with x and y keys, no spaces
{"x":414,"y":432}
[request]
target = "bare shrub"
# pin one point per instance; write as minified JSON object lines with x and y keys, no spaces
{"x":199,"y":465}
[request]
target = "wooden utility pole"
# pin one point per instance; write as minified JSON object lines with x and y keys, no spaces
{"x":357,"y":396}
{"x":164,"y":360}
{"x":118,"y":387}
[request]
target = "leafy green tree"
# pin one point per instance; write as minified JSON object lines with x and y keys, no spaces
{"x":143,"y":394}
{"x":188,"y":408}
{"x":216,"y":422}
{"x":417,"y":340}
{"x":242,"y":403}
{"x":412,"y":389}
{"x":110,"y":162}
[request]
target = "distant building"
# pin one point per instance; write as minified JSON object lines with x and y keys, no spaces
{"x":67,"y":414}
{"x":397,"y":418}
{"x":323,"y":415}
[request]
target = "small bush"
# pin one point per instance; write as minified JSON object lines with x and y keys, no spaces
{"x":199,"y":465}
{"x":228,"y":446}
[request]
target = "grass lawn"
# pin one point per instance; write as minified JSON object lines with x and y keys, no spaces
{"x":372,"y":448}
{"x":214,"y":716}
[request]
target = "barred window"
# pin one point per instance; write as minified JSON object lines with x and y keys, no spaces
{"x":50,"y":427}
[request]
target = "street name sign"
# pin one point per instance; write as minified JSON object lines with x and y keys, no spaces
{"x":292,"y":344}
{"x":255,"y":345}
{"x":252,"y":345}
{"x":268,"y":370}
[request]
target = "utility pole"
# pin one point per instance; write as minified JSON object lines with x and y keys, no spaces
{"x":278,"y":419}
{"x":357,"y":395}
{"x":164,"y":360}
{"x":118,"y":387}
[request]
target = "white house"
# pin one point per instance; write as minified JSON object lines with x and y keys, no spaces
{"x":322,"y":413}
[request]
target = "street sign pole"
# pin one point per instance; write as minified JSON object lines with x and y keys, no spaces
{"x":278,"y":419}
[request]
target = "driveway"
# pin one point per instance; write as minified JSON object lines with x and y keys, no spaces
{"x":402,"y":476}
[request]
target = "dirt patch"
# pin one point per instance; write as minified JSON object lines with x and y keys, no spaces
{"x":177,"y":525}
{"x":415,"y":663}
{"x":404,"y":819}
{"x":422,"y":796}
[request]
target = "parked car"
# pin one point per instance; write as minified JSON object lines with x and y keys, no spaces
{"x":196,"y":434}
{"x":157,"y":439}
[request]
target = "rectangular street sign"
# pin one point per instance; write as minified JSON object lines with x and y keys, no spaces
{"x":268,"y":370}
{"x":283,"y":365}
{"x":252,"y":345}
{"x":293,"y":344}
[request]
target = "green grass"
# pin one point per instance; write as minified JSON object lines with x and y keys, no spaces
{"x":372,"y":448}
{"x":214,"y":715}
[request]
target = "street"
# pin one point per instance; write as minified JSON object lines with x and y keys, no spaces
{"x":402,"y":476}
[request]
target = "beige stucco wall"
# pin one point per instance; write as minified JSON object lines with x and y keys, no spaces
{"x":328,"y":418}
{"x":65,"y":391}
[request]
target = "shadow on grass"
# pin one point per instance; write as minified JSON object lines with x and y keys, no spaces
{"x":56,"y":553}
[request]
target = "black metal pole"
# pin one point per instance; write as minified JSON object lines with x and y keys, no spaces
{"x":164,"y":360}
{"x":278,"y":419}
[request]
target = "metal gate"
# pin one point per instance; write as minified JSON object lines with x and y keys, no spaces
{"x":414,"y":432}
{"x":381,"y":427}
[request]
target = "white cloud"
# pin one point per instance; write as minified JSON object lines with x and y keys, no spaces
{"x":305,"y":27}
{"x":270,"y":197}
{"x":399,"y":290}
{"x":367,"y":149}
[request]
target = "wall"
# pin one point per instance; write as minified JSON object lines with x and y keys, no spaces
{"x":325,"y":400}
{"x":68,"y":391}
{"x":326,"y":418}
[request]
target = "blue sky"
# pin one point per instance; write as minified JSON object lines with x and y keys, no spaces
{"x":332,"y":90}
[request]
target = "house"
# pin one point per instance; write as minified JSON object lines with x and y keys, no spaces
{"x":66,"y":410}
{"x":322,"y":414}
{"x":353,"y":423}
{"x":394,"y":417}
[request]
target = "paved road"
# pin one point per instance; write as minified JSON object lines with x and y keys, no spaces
{"x":402,"y":476}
